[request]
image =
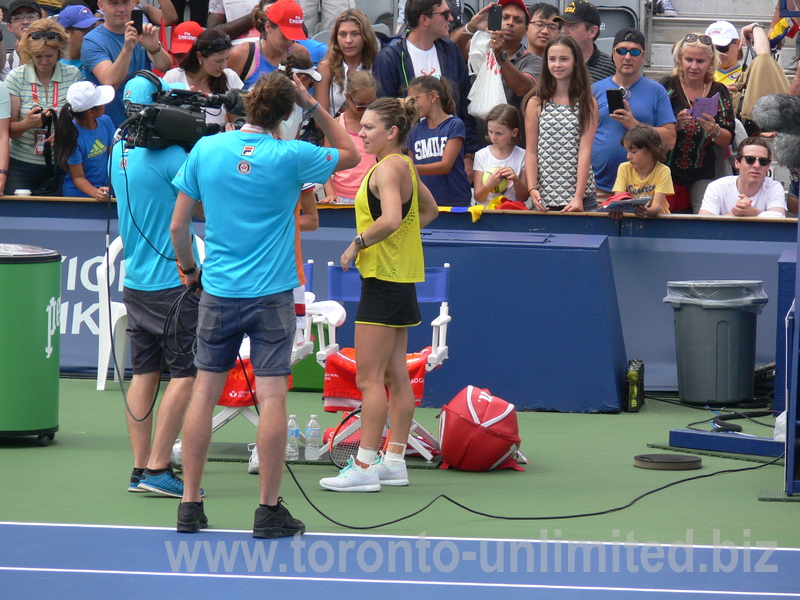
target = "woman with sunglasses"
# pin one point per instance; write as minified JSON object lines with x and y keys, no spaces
{"x":362,"y":90}
{"x":37,"y":89}
{"x":353,"y":48}
{"x":204,"y":69}
{"x":693,"y":159}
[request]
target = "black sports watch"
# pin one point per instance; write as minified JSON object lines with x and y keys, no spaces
{"x":503,"y":56}
{"x":187,"y":271}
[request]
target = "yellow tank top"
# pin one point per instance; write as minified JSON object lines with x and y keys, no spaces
{"x":399,"y":257}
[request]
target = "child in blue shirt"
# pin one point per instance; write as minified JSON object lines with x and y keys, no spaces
{"x":436,"y":143}
{"x":84,"y":136}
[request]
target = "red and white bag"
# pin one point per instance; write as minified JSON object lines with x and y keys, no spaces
{"x":479,"y":432}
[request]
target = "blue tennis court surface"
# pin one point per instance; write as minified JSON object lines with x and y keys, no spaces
{"x":92,"y":561}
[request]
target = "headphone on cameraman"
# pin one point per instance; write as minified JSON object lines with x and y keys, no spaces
{"x":150,"y":76}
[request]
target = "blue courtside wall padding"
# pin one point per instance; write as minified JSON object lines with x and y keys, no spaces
{"x":535,"y":320}
{"x":787,"y":266}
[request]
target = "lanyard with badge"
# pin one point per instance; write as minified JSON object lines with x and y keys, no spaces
{"x":41,"y":134}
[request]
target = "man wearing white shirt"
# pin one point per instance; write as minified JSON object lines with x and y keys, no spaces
{"x":751,"y":193}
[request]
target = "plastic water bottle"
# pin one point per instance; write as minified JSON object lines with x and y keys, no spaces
{"x":313,"y":439}
{"x":292,"y":435}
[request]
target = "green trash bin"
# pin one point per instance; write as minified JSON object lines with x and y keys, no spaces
{"x":30,"y":308}
{"x":715,"y":339}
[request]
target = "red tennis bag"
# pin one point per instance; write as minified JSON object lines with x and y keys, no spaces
{"x":479,"y":432}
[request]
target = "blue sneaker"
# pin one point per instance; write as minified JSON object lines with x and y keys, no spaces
{"x":133,"y":486}
{"x":166,"y":484}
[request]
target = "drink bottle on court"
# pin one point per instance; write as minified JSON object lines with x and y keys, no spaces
{"x":292,"y":436}
{"x":313,"y":439}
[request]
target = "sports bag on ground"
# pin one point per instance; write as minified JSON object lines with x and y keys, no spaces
{"x":479,"y":432}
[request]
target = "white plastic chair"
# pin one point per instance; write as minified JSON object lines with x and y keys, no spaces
{"x":114,"y":315}
{"x":344,"y":286}
{"x":113,"y":318}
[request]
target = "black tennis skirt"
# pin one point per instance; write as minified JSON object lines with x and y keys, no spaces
{"x":388,"y":303}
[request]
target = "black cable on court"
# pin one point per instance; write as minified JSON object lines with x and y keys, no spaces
{"x":729,"y":413}
{"x":533,"y":518}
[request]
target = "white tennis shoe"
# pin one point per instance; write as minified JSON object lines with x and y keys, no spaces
{"x":252,"y":466}
{"x":391,"y":475}
{"x":353,"y":479}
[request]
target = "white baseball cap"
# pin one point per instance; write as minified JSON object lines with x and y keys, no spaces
{"x":84,"y":95}
{"x":722,"y":33}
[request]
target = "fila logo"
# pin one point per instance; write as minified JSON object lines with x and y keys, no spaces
{"x":248,"y":150}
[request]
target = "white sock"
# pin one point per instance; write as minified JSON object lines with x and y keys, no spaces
{"x":395,"y":459}
{"x":365,"y":456}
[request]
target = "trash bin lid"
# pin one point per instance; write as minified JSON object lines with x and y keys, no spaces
{"x":743,"y":294}
{"x":22,"y":253}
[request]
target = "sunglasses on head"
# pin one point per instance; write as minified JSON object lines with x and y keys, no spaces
{"x":750,"y":160}
{"x":693,"y":37}
{"x":219,"y":44}
{"x":723,"y":48}
{"x":49,"y":35}
{"x":356,"y":105}
{"x":624,"y":51}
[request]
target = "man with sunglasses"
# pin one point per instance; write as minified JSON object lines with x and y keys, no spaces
{"x":750,"y":193}
{"x":426,"y":49}
{"x":20,"y":15}
{"x":645,"y":101}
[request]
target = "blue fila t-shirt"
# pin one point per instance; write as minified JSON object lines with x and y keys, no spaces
{"x":427,"y":146}
{"x":92,"y":153}
{"x":142,"y":180}
{"x":249,"y":184}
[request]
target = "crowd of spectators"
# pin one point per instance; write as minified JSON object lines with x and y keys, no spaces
{"x":557,"y":143}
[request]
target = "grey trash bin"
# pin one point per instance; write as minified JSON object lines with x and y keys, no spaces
{"x":715,"y":338}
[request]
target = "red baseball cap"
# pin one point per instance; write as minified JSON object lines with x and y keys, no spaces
{"x":288,"y":16}
{"x":519,"y":3}
{"x":184,"y":36}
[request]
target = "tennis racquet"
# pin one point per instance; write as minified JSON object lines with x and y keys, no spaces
{"x":347,"y":437}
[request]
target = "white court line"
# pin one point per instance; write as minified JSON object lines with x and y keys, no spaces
{"x":410,"y":537}
{"x":410,"y":582}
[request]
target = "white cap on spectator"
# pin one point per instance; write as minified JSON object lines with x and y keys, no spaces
{"x":84,"y":95}
{"x":722,"y":33}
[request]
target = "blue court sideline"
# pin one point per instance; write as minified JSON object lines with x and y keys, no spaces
{"x":92,"y":561}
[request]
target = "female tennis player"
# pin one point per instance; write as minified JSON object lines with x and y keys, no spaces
{"x":391,"y":207}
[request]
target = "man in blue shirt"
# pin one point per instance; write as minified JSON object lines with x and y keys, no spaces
{"x":142,"y":180}
{"x":645,"y":101}
{"x":112,"y":52}
{"x":248,"y":182}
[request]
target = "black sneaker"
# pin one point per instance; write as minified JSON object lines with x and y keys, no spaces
{"x":276,"y":524}
{"x":191,"y":517}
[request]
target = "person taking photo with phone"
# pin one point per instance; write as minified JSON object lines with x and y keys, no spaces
{"x":642,"y":101}
{"x":117,"y":49}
